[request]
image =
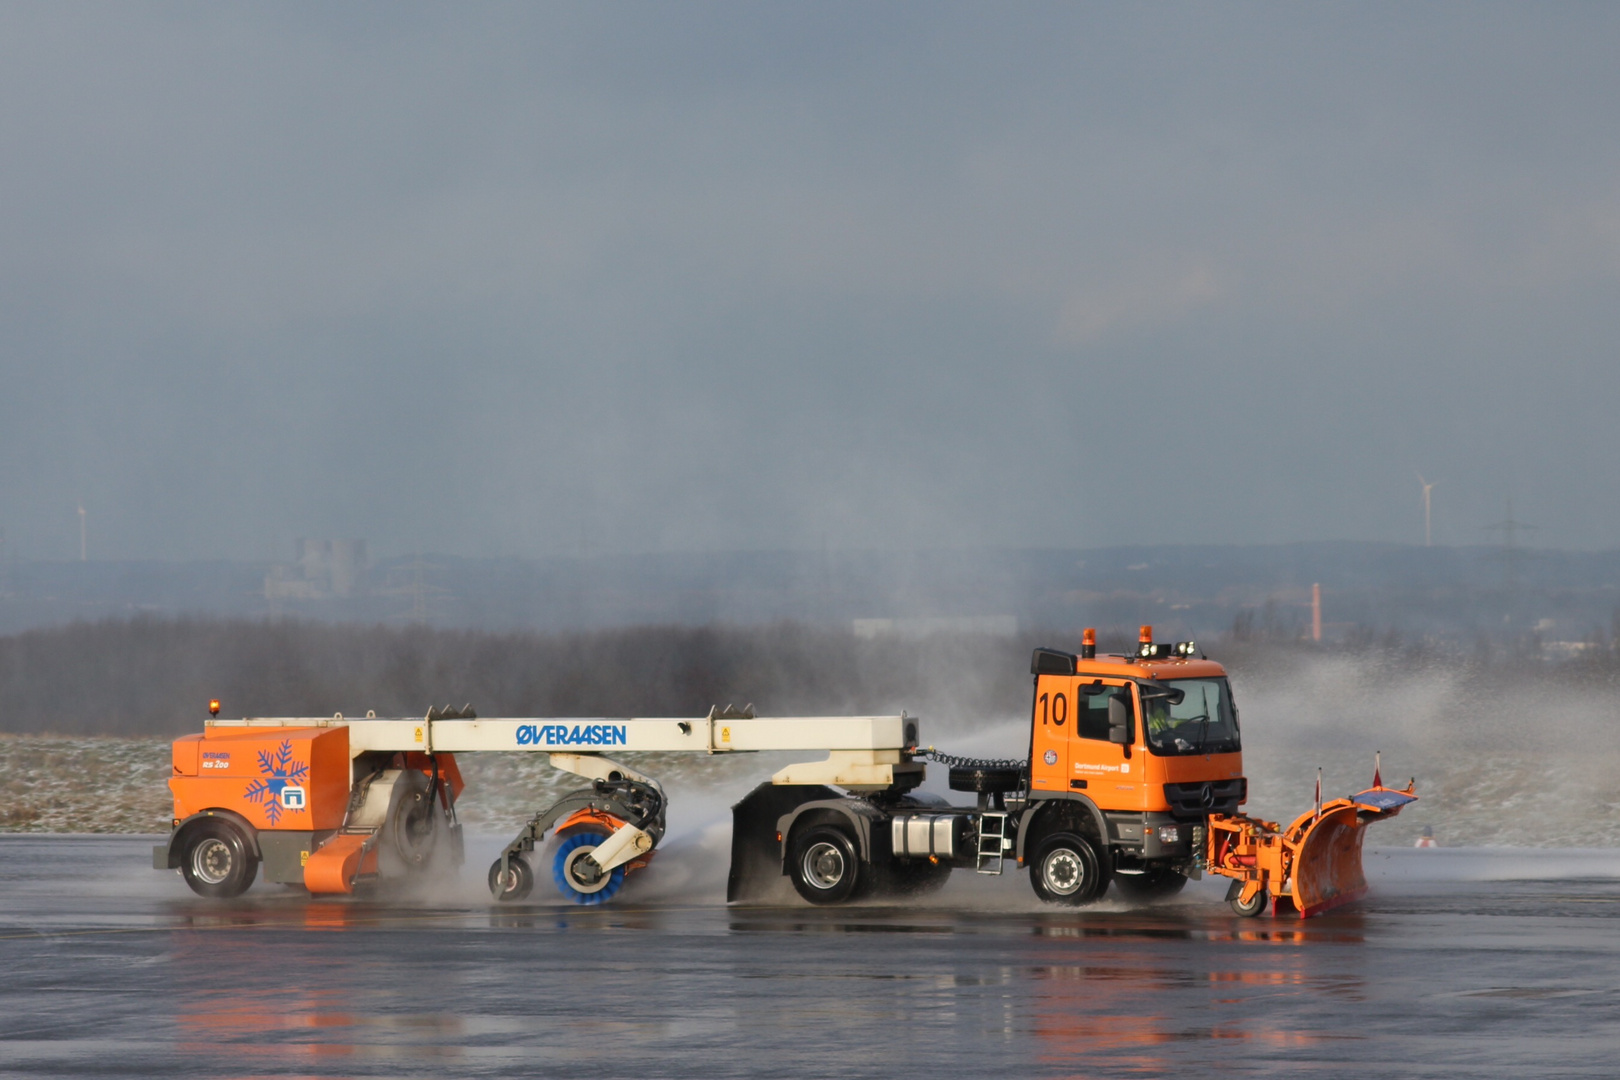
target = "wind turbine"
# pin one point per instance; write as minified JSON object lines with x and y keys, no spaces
{"x":84,"y":552}
{"x":1427,"y":487}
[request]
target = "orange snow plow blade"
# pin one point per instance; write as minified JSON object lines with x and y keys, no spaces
{"x":1313,"y":865}
{"x":1327,"y":864}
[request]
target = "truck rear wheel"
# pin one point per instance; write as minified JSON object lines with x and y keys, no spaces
{"x":216,"y":861}
{"x":825,"y":866}
{"x":1067,"y":870}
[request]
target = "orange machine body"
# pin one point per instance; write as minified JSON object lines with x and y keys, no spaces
{"x":1070,"y":749}
{"x":291,"y":786}
{"x":293,"y":778}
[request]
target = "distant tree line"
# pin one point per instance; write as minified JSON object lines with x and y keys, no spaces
{"x":154,"y":676}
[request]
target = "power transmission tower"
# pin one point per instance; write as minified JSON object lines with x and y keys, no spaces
{"x":1512,"y":555}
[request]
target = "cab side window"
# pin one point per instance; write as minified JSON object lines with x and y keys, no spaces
{"x":1092,"y":717}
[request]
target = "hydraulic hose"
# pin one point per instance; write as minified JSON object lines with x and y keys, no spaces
{"x":956,"y":762}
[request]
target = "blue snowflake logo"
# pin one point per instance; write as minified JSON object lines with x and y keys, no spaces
{"x":279,"y":772}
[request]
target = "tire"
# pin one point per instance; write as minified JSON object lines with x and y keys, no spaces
{"x":1066,"y":870}
{"x":413,"y":826}
{"x":565,"y":866}
{"x":518,"y":883}
{"x":1156,"y":882}
{"x":825,"y":867}
{"x":217,"y":862}
{"x":1254,"y":907}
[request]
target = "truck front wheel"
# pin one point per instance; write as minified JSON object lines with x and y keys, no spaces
{"x":1067,"y":870}
{"x":216,"y":861}
{"x":825,"y":866}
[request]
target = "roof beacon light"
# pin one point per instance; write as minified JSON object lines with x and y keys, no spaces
{"x":1088,"y":644}
{"x":213,"y":706}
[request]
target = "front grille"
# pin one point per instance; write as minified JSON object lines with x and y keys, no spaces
{"x":1209,"y":797}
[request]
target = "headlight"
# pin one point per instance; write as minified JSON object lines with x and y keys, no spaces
{"x":1169,"y":834}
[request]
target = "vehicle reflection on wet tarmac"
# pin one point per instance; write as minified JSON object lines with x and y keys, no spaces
{"x":120,"y":972}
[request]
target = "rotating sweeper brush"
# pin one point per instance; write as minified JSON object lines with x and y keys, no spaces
{"x":1134,"y":777}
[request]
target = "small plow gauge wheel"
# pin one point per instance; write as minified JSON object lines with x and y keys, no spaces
{"x":515,"y":884}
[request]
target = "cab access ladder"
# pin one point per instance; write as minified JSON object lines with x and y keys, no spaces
{"x":992,"y":841}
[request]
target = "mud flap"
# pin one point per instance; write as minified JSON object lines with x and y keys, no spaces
{"x":756,"y":854}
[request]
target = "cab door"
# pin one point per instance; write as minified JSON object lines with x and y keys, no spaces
{"x":1107,"y":771}
{"x":1053,"y":727}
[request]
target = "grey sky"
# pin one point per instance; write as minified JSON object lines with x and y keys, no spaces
{"x":497,"y":280}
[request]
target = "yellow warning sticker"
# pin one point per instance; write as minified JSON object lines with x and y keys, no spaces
{"x":725,"y":734}
{"x":303,"y":858}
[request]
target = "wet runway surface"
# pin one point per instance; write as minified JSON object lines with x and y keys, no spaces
{"x":1458,"y":964}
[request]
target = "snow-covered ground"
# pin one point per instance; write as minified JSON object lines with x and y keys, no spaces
{"x":1528,"y":766}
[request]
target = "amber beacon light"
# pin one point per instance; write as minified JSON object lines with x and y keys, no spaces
{"x":213,"y":706}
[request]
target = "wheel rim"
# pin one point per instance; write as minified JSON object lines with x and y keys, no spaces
{"x":566,"y":864}
{"x":211,"y":861}
{"x":824,"y":865}
{"x":1063,"y":872}
{"x":574,"y":880}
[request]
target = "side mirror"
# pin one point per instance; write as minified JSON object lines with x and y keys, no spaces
{"x":1158,"y":691}
{"x":1119,"y":719}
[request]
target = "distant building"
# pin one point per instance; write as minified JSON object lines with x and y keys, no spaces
{"x":321,"y":570}
{"x":994,"y":625}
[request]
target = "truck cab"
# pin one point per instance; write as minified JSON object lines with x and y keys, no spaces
{"x":1130,"y":753}
{"x":1130,"y":756}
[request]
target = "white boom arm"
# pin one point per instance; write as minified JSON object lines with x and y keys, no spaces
{"x":862,"y":750}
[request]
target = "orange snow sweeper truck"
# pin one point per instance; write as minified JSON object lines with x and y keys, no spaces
{"x":1134,"y":778}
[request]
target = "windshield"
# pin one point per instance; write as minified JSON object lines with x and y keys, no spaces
{"x":1203,"y":723}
